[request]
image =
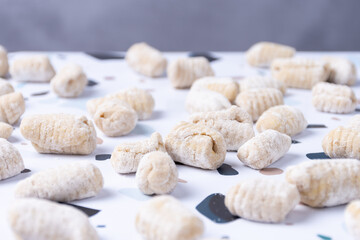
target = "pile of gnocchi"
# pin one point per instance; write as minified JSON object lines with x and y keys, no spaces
{"x":247,"y":116}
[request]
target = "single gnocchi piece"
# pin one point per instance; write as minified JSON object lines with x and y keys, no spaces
{"x":64,"y":183}
{"x":332,"y":98}
{"x":352,"y":218}
{"x":69,"y":82}
{"x":284,"y":119}
{"x":12,"y":106}
{"x":156,"y":173}
{"x":184,"y":71}
{"x":262,"y":200}
{"x":326,"y":183}
{"x":5,"y":130}
{"x":126,"y":156}
{"x":342,"y":142}
{"x":256,"y":82}
{"x":115,"y":118}
{"x":299,"y":72}
{"x":257,"y":101}
{"x":262,"y":54}
{"x":342,"y":71}
{"x":225,"y":86}
{"x":165,"y":218}
{"x":5,"y":87}
{"x":11,"y":162}
{"x":264,"y":149}
{"x":234,"y":124}
{"x":196,"y":145}
{"x":35,"y":68}
{"x":31,"y":218}
{"x":4,"y":64}
{"x":354,"y":122}
{"x":205,"y":101}
{"x":146,"y":60}
{"x":59,"y":133}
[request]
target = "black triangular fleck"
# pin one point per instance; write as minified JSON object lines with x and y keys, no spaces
{"x":39,"y":93}
{"x":316,"y":126}
{"x":106,"y":55}
{"x":92,"y":83}
{"x":25,"y":170}
{"x":293,"y":141}
{"x":227,"y":170}
{"x":209,"y":56}
{"x":88,"y":211}
{"x":102,"y":157}
{"x":319,"y":155}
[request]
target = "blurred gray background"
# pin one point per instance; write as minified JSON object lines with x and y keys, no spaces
{"x":179,"y":25}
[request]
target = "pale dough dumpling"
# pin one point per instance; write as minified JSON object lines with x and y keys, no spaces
{"x":5,"y":130}
{"x":146,"y":60}
{"x":4,"y":64}
{"x":352,"y":218}
{"x":342,"y":71}
{"x":12,"y":106}
{"x":256,"y":82}
{"x":11,"y":162}
{"x":69,"y":82}
{"x":5,"y":87}
{"x":35,"y":68}
{"x":205,"y":101}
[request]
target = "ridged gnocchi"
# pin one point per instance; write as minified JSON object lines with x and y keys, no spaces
{"x":196,"y":145}
{"x":326,"y":183}
{"x":59,"y":133}
{"x":5,"y":130}
{"x":146,"y":60}
{"x":342,"y":71}
{"x":184,"y":71}
{"x":352,"y":218}
{"x":12,"y":106}
{"x":205,"y":101}
{"x":11,"y":162}
{"x":4,"y":64}
{"x":262,"y":200}
{"x":264,"y":149}
{"x":5,"y":87}
{"x":256,"y":82}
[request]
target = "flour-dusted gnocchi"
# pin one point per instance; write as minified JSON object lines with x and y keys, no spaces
{"x":35,"y":68}
{"x":31,"y":218}
{"x":205,"y":101}
{"x":262,"y":54}
{"x":59,"y":133}
{"x":146,"y":60}
{"x":5,"y":87}
{"x":332,"y":98}
{"x":196,"y":145}
{"x":165,"y":218}
{"x":126,"y":156}
{"x":284,"y":119}
{"x":342,"y":142}
{"x":69,"y":82}
{"x":299,"y":72}
{"x":352,"y":218}
{"x":256,"y":82}
{"x":12,"y":106}
{"x":262,"y":200}
{"x":11,"y":162}
{"x":184,"y":71}
{"x":5,"y":130}
{"x":156,"y":173}
{"x":225,"y":86}
{"x":326,"y":183}
{"x":234,"y":124}
{"x":342,"y":71}
{"x":264,"y":149}
{"x":354,"y":122}
{"x":257,"y":101}
{"x":64,"y":183}
{"x":4,"y":64}
{"x":115,"y":117}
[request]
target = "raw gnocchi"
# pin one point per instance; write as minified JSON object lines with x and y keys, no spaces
{"x":12,"y":106}
{"x":342,"y":71}
{"x":64,"y":183}
{"x":284,"y":119}
{"x":352,"y":218}
{"x":196,"y":145}
{"x":256,"y":82}
{"x":342,"y":142}
{"x":332,"y":98}
{"x":184,"y":71}
{"x":42,"y":219}
{"x":262,"y":54}
{"x":205,"y":101}
{"x":264,"y":149}
{"x":146,"y":60}
{"x":225,"y":86}
{"x":156,"y":173}
{"x":4,"y":64}
{"x":257,"y":101}
{"x":326,"y":183}
{"x":126,"y":156}
{"x":299,"y":72}
{"x":115,"y":117}
{"x":262,"y":200}
{"x":234,"y":124}
{"x":36,"y":68}
{"x":5,"y":130}
{"x":5,"y":87}
{"x":59,"y":133}
{"x":165,"y":218}
{"x":69,"y":82}
{"x":11,"y":162}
